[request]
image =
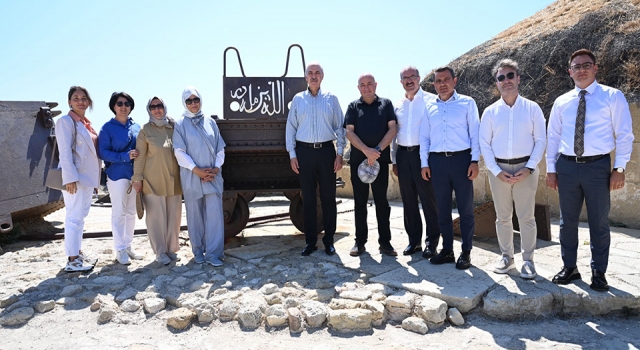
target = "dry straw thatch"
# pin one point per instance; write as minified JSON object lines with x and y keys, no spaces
{"x":543,"y":43}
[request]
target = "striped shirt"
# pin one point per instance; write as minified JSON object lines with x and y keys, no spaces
{"x":315,"y":119}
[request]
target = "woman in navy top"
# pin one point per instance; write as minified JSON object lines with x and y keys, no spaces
{"x":117,"y":148}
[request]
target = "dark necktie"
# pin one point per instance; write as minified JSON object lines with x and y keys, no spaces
{"x":578,"y":140}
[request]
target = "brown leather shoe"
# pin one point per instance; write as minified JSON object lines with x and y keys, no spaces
{"x":388,"y":250}
{"x":357,"y":250}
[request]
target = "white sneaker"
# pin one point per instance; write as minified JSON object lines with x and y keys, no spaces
{"x":528,"y":270}
{"x":503,"y":265}
{"x":90,"y":260}
{"x":123,"y":257}
{"x":133,"y":254}
{"x":173,"y":256}
{"x":76,"y":265}
{"x":163,"y":259}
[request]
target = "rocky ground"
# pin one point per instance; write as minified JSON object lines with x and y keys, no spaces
{"x":266,"y":295}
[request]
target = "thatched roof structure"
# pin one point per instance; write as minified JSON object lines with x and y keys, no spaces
{"x":543,"y":43}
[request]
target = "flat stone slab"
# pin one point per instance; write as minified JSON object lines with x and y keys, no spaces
{"x":254,"y":251}
{"x":460,"y":289}
{"x":514,"y":298}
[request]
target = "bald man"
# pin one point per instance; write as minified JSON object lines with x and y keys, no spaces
{"x":371,"y":126}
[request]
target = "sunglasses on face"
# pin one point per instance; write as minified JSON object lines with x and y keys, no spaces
{"x":120,"y":104}
{"x":509,"y":76}
{"x":192,"y":100}
{"x":158,"y":106}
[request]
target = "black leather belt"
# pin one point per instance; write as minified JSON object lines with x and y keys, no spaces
{"x":409,"y":148}
{"x":513,"y":160}
{"x":450,"y":154}
{"x":588,"y":159}
{"x":315,"y":145}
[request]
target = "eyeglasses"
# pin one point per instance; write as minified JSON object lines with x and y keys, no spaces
{"x":585,"y":66}
{"x":158,"y":106}
{"x":192,"y":100}
{"x":509,"y":76}
{"x":411,"y":77}
{"x":120,"y":104}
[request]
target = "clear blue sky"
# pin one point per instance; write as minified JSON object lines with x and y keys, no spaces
{"x":149,"y":48}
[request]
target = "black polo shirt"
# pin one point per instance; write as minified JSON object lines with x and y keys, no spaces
{"x":370,"y":123}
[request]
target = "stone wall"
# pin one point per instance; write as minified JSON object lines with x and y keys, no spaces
{"x":624,"y":203}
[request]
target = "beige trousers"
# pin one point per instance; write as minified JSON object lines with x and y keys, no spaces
{"x":162,"y":215}
{"x":523,"y":194}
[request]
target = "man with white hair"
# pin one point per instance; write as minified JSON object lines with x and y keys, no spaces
{"x":314,"y":122}
{"x":371,"y":126}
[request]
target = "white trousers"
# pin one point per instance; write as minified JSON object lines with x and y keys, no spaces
{"x":205,"y":222}
{"x":123,"y":212}
{"x":523,"y":194}
{"x":163,"y":216}
{"x":77,"y":207}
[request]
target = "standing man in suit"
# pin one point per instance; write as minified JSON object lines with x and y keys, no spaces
{"x":315,"y":120}
{"x":585,"y":125}
{"x":371,"y":126}
{"x":512,"y":140}
{"x":410,"y":111}
{"x":449,"y":153}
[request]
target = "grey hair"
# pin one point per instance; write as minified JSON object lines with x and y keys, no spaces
{"x":506,"y":62}
{"x":366,"y":75}
{"x":306,"y":69}
{"x":407,"y":68}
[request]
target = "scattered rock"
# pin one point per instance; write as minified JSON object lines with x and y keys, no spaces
{"x":71,"y":290}
{"x":276,"y":315}
{"x":228,"y":310}
{"x":180,"y":281}
{"x":269,"y":289}
{"x":130,"y":306}
{"x":128,"y":293}
{"x":360,"y":295}
{"x":315,"y":313}
{"x":230,"y":272}
{"x":415,"y":324}
{"x":296,"y":324}
{"x":8,"y":300}
{"x":455,"y":317}
{"x":95,"y":306}
{"x":154,"y":305}
{"x":272,"y":299}
{"x":399,"y":306}
{"x":431,"y":309}
{"x":44,"y":306}
{"x":17,"y":316}
{"x":250,"y":316}
{"x":180,"y":318}
{"x":66,"y":301}
{"x":339,"y":304}
{"x":109,"y":281}
{"x":197,"y":285}
{"x":290,"y":302}
{"x":106,"y":314}
{"x":350,"y":320}
{"x":377,"y":309}
{"x":19,"y":304}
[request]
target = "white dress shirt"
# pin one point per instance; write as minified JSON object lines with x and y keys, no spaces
{"x":607,"y":125}
{"x":314,"y":119}
{"x":512,"y":132}
{"x":450,"y":126}
{"x":410,"y":114}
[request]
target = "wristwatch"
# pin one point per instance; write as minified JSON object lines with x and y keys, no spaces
{"x":620,"y":170}
{"x":377,"y":148}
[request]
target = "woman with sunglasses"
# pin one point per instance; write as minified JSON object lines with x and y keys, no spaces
{"x":199,"y":149}
{"x":80,"y":166}
{"x":156,"y":173}
{"x":117,"y":147}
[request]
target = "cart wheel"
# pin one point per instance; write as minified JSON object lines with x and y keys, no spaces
{"x":290,"y":194}
{"x":238,"y":219}
{"x":296,"y":213}
{"x":248,"y":196}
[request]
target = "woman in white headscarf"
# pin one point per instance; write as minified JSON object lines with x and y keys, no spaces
{"x":156,"y":173}
{"x":199,"y":149}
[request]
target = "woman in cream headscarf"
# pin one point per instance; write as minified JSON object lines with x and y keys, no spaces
{"x":199,"y":149}
{"x":156,"y":173}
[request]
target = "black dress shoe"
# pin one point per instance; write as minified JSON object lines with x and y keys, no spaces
{"x":308,"y":249}
{"x":444,"y":257}
{"x":464,"y":261}
{"x":428,"y":253}
{"x":357,"y":250}
{"x":330,"y":250}
{"x":411,"y":248}
{"x":566,"y":275}
{"x":598,"y":281}
{"x":388,"y":250}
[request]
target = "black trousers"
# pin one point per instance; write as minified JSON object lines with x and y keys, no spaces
{"x":412,"y":187}
{"x":316,"y":170}
{"x":383,"y":211}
